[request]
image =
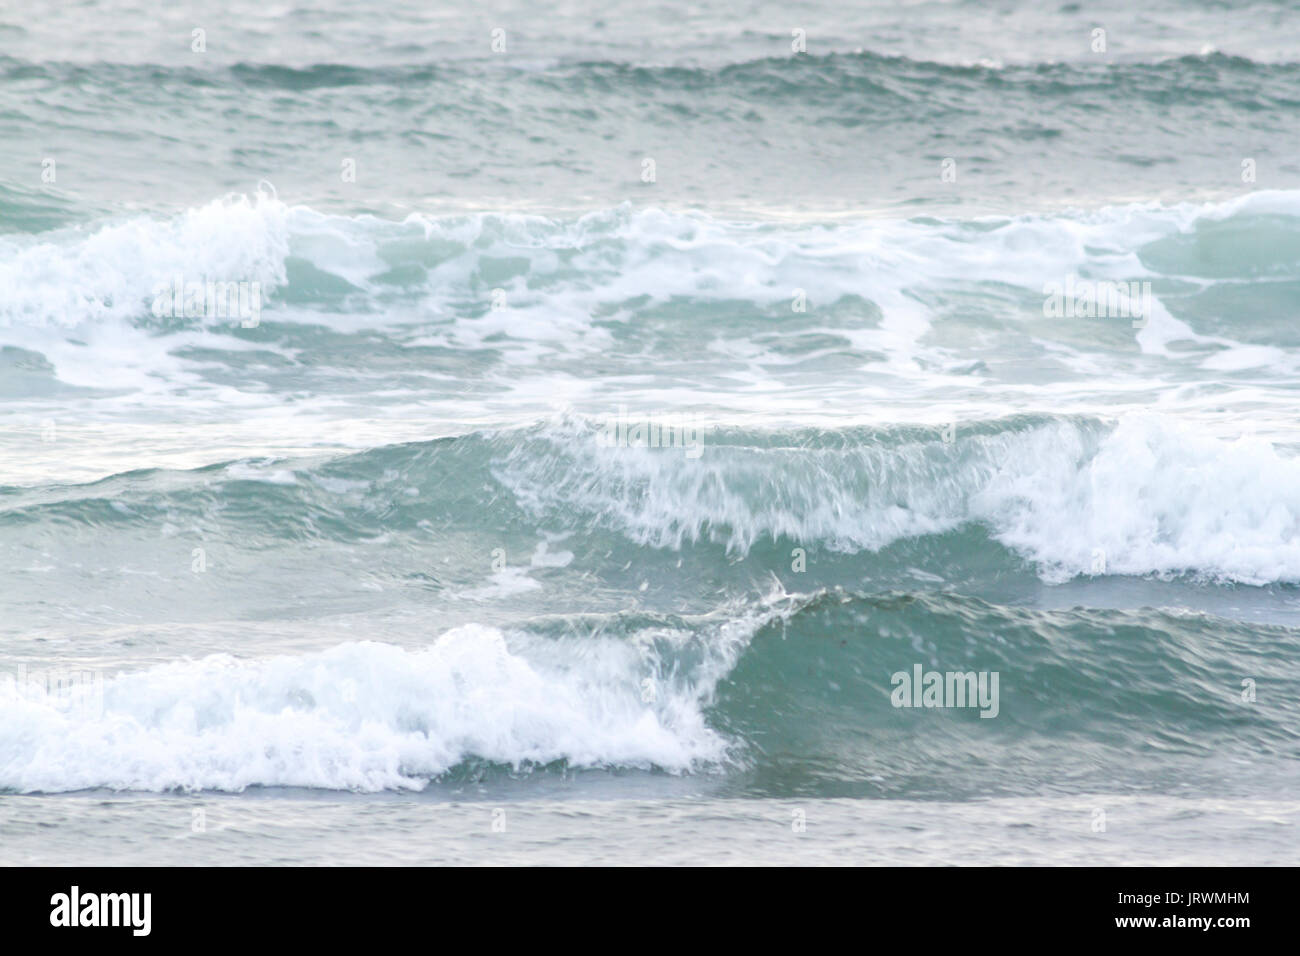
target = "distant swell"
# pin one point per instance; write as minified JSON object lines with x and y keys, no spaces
{"x":862,"y":71}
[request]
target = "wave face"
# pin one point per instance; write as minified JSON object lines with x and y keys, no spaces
{"x":1061,"y":493}
{"x":793,"y":699}
{"x":626,"y":400}
{"x":772,"y":688}
{"x":1064,"y":497}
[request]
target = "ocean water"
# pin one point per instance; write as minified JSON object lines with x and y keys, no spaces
{"x":451,"y":435}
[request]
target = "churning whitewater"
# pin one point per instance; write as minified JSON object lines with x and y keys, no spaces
{"x":615,"y":412}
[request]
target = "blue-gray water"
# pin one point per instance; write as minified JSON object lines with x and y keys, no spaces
{"x":596,"y":415}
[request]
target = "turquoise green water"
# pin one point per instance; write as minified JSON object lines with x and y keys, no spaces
{"x":594,"y":431}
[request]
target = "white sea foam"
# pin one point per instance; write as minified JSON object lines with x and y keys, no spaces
{"x":113,"y":272}
{"x":368,"y":716}
{"x":1153,"y":498}
{"x":1146,"y":496}
{"x":921,"y":311}
{"x":564,"y":268}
